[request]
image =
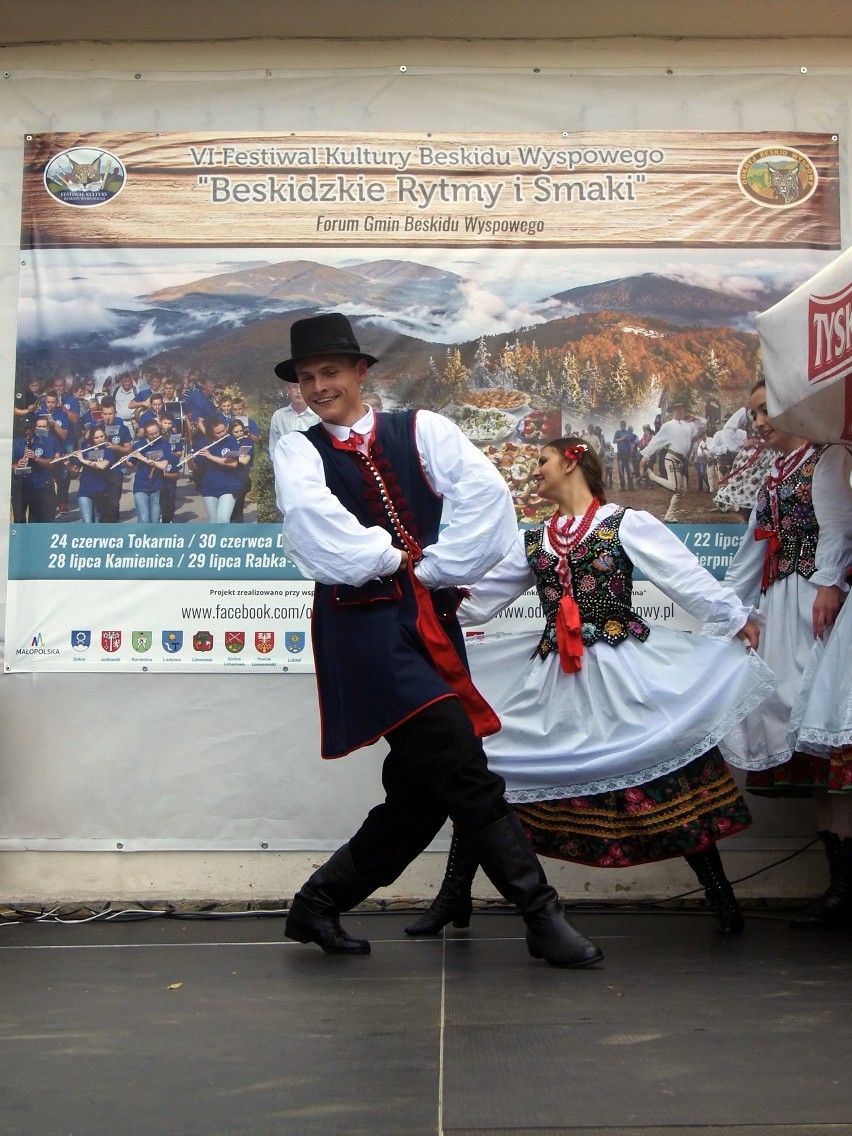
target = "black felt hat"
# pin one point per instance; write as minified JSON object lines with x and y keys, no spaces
{"x":329,"y":334}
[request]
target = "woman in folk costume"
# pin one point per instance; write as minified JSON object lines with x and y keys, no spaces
{"x":794,"y":559}
{"x":822,"y":725}
{"x":609,"y":726}
{"x":753,"y":462}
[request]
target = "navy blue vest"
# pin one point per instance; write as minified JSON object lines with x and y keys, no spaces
{"x":373,"y":670}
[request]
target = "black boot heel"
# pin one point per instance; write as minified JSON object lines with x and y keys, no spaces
{"x":507,"y":858}
{"x":717,"y":890}
{"x":453,"y":903}
{"x":834,"y":906}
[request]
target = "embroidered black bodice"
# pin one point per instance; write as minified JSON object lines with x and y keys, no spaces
{"x":796,"y":525}
{"x":601,"y":583}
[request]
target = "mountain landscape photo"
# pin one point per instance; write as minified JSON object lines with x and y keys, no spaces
{"x":604,"y":346}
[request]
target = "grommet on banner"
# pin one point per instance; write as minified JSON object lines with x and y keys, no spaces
{"x":804,"y":70}
{"x":403,"y":67}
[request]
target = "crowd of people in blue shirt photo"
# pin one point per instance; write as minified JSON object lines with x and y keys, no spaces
{"x":183,"y":449}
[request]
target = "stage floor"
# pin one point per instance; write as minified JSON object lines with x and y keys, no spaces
{"x":189,"y":1027}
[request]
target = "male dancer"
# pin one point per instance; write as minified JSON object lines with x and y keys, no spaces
{"x":362,"y":494}
{"x":679,"y":434}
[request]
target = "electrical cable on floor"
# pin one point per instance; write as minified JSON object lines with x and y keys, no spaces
{"x":68,"y":914}
{"x":662,"y":903}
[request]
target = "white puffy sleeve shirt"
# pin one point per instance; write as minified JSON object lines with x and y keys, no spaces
{"x":653,"y":549}
{"x":330,"y":545}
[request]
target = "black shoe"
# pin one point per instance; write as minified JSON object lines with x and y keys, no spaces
{"x":550,"y":936}
{"x":510,"y":863}
{"x":834,"y":906}
{"x":314,"y":915}
{"x":453,"y":903}
{"x":313,"y":918}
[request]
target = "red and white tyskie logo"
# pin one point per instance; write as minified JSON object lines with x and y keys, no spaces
{"x":111,"y":641}
{"x":829,"y":335}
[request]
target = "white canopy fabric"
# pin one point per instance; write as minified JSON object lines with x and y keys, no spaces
{"x":806,"y":342}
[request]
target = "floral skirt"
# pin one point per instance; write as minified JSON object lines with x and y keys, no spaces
{"x":803,"y":773}
{"x":673,"y":815}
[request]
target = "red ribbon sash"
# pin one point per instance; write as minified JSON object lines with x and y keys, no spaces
{"x":569,"y":637}
{"x":770,"y":560}
{"x":447,"y":662}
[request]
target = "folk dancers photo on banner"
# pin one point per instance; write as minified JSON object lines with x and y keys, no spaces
{"x":676,"y":437}
{"x":750,"y":459}
{"x":793,"y":565}
{"x":610,"y":725}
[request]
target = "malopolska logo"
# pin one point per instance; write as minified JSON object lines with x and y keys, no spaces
{"x":829,"y":335}
{"x":777,"y":177}
{"x":84,"y":176}
{"x":37,"y":646}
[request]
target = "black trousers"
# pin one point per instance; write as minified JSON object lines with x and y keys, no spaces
{"x":168,"y":502}
{"x":436,"y":769}
{"x":32,"y":505}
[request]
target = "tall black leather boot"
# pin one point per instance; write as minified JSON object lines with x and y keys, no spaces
{"x":453,"y":902}
{"x":834,"y":906}
{"x":314,"y":915}
{"x":510,"y":863}
{"x":718,"y":890}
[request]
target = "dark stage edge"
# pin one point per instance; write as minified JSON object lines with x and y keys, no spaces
{"x":221,"y":1027}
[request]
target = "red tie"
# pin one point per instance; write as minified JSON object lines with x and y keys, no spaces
{"x":359,"y":441}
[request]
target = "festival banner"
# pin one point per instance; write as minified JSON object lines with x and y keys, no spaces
{"x":524,"y":285}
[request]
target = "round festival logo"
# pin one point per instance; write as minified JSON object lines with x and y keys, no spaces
{"x":84,"y":176}
{"x":777,"y":176}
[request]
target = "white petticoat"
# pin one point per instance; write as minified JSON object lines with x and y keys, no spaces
{"x":822,"y":715}
{"x":761,"y":741}
{"x":632,"y":713}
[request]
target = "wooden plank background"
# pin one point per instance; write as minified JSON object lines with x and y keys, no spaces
{"x":691,"y":199}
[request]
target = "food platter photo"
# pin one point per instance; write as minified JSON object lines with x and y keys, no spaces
{"x":482,"y":426}
{"x":498,"y":398}
{"x":517,"y":462}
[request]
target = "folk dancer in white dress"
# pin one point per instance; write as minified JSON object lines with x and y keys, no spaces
{"x":793,"y":561}
{"x":821,"y":724}
{"x":609,"y":726}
